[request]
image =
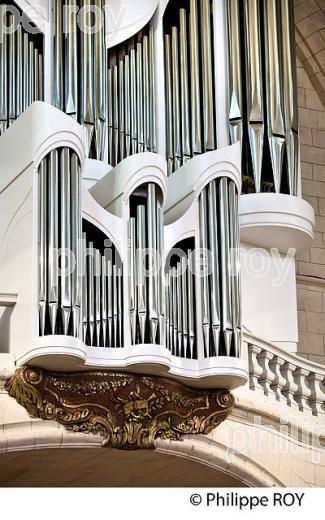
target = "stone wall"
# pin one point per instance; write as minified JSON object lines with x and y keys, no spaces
{"x":310,"y":36}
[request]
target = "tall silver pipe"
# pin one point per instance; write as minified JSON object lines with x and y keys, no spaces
{"x":65,"y":242}
{"x":115,"y":306}
{"x":4,"y":83}
{"x":133,"y":102}
{"x":87,"y":118}
{"x":207,"y":79}
{"x":115,"y":113}
{"x":186,"y":147}
{"x":121,"y":117}
{"x":104,"y":299}
{"x":19,"y":71}
{"x":141,"y":287}
{"x":276,"y":130}
{"x":110,"y":303}
{"x":127,"y":111}
{"x":140,"y":106}
{"x":36,"y":75}
{"x":226,"y":312}
{"x":100,"y":65}
{"x":26,"y":96}
{"x":58,"y":88}
{"x":98,"y":298}
{"x":290,"y":93}
{"x":146,"y":93}
{"x":236,"y":102}
{"x":152,"y":81}
{"x":41,"y":77}
{"x":91,"y":293}
{"x":185,"y":297}
{"x":215,"y":284}
{"x":12,"y":76}
{"x":175,"y":304}
{"x":254,"y":85}
{"x":161,"y":277}
{"x":205,"y":283}
{"x":191,"y":304}
{"x":75,"y":241}
{"x":177,"y":151}
{"x":195,"y":80}
{"x":84,"y":289}
{"x":43,"y":251}
{"x":70,"y":60}
{"x":132,"y":278}
{"x":111,"y":158}
{"x":31,"y":75}
{"x":169,"y":106}
{"x":179,"y":311}
{"x":167,"y":289}
{"x":119,"y":306}
{"x":234,"y":244}
{"x":53,"y":238}
{"x":152,"y":246}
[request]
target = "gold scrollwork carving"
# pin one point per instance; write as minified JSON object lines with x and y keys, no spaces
{"x":130,"y":411}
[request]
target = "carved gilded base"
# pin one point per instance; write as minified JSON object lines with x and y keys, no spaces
{"x":130,"y":411}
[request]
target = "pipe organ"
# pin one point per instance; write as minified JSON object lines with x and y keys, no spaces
{"x":79,"y":67}
{"x":109,"y":289}
{"x":131,"y":97}
{"x":102,"y":290}
{"x":220,"y":281}
{"x":181,"y":338}
{"x":263,"y":112}
{"x":21,"y":70}
{"x":189,"y":81}
{"x":147,"y":286}
{"x":59,"y":235}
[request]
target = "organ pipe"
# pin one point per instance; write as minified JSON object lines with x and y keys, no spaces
{"x":134,"y":96}
{"x":263,"y":93}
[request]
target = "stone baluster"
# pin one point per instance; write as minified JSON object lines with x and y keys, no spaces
{"x":279,"y":381}
{"x":255,"y":369}
{"x":303,"y":393}
{"x":290,"y":388}
{"x":267,"y":376}
{"x":317,"y":395}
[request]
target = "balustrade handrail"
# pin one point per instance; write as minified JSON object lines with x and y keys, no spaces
{"x":285,"y":377}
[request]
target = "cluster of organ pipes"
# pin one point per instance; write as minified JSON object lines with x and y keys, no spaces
{"x":102,"y":295}
{"x":180,"y":307}
{"x":59,"y":286}
{"x":189,"y":81}
{"x":79,"y":69}
{"x":219,"y":237}
{"x":263,"y":104}
{"x":21,"y":71}
{"x":146,"y":285}
{"x":131,"y":97}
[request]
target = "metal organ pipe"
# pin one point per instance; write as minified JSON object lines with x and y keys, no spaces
{"x":146,"y":284}
{"x":219,"y":233}
{"x":81,"y":91}
{"x":59,"y":293}
{"x":132,"y":97}
{"x":270,"y":126}
{"x":21,"y":71}
{"x":189,"y":82}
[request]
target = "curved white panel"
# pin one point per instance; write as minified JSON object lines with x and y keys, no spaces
{"x":124,"y":19}
{"x":271,"y":220}
{"x":40,"y":129}
{"x":114,"y":189}
{"x":36,"y":10}
{"x":188,"y":181}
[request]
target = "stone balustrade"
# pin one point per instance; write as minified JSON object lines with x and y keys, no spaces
{"x":286,"y":377}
